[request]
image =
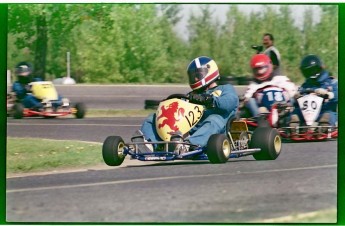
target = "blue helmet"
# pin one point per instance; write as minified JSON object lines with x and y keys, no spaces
{"x":202,"y":71}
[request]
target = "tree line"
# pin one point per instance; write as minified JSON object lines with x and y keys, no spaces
{"x":137,"y":43}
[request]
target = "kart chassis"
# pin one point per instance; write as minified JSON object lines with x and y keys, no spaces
{"x":239,"y":148}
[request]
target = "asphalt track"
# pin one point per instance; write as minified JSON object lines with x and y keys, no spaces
{"x":303,"y":179}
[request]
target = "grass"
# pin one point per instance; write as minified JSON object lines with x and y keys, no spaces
{"x":322,"y":216}
{"x":119,"y":113}
{"x":36,"y":155}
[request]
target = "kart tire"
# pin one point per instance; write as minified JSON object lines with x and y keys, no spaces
{"x":18,"y":110}
{"x":112,"y":151}
{"x":268,"y":140}
{"x":151,"y":104}
{"x":81,"y":110}
{"x":218,"y":148}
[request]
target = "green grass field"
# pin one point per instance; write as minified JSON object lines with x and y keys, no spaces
{"x":36,"y":155}
{"x":321,"y":216}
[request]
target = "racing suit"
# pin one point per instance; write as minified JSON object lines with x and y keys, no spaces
{"x":280,"y":81}
{"x":22,"y":90}
{"x":324,"y":83}
{"x":213,"y":121}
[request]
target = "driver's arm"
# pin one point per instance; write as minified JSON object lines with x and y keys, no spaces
{"x":19,"y":89}
{"x":333,"y":92}
{"x":227,"y":101}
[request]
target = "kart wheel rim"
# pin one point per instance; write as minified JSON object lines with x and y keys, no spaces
{"x":226,"y":148}
{"x":120,"y":149}
{"x":277,"y":144}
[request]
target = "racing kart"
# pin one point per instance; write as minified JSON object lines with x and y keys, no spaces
{"x":273,"y":105}
{"x":279,"y":112}
{"x":310,"y":105}
{"x":52,"y":106}
{"x":175,"y":117}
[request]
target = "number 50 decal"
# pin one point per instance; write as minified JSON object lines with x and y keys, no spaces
{"x":310,"y":106}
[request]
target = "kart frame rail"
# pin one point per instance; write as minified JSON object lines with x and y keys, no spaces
{"x":131,"y":148}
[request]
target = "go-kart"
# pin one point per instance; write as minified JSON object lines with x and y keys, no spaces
{"x":274,"y":106}
{"x":310,"y":105}
{"x":279,"y":112}
{"x":52,"y":106}
{"x":175,"y":117}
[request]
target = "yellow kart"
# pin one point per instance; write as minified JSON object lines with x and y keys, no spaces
{"x":177,"y":114}
{"x":53,"y":106}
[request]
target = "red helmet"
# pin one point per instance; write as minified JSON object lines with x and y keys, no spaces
{"x":262,"y":67}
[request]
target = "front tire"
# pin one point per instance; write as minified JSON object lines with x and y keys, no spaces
{"x":218,"y":148}
{"x":269,"y":140}
{"x":18,"y":110}
{"x":81,"y":110}
{"x":112,"y":151}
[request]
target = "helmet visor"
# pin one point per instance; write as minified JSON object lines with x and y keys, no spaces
{"x":311,"y":72}
{"x":260,"y":71}
{"x":197,"y":75}
{"x":23,"y":70}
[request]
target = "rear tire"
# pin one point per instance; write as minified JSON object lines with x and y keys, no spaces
{"x":18,"y":110}
{"x":81,"y":110}
{"x":269,"y":140}
{"x":218,"y":148}
{"x":112,"y":151}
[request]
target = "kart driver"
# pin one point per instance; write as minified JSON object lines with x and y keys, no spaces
{"x":221,"y":103}
{"x":318,"y":79}
{"x":21,"y":87}
{"x":262,"y":68}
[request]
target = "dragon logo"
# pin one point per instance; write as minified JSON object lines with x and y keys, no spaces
{"x":169,"y":115}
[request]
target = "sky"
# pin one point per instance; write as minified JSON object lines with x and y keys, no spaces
{"x":220,"y":11}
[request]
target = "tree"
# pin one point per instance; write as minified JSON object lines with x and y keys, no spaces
{"x":28,"y":22}
{"x":38,"y":27}
{"x":203,"y":33}
{"x":235,"y":44}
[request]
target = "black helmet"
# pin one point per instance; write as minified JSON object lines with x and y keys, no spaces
{"x":311,"y":66}
{"x":23,"y":69}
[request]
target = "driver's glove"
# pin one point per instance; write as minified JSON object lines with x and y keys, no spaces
{"x":297,"y":95}
{"x":204,"y":99}
{"x":324,"y":92}
{"x":28,"y":88}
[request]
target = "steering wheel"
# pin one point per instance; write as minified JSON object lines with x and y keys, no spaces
{"x":309,"y":91}
{"x":177,"y":95}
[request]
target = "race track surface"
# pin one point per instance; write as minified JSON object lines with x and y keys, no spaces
{"x":303,"y":178}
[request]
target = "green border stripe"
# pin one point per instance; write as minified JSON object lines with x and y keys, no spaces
{"x":341,"y":120}
{"x":3,"y":115}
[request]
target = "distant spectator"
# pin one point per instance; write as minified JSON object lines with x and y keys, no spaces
{"x":271,"y":51}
